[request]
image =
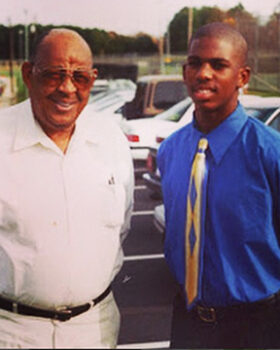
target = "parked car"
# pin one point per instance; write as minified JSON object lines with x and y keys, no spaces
{"x":158,"y":218}
{"x":155,"y":94}
{"x":103,"y":86}
{"x":111,"y":102}
{"x":152,"y":176}
{"x":141,"y":133}
{"x":3,"y":84}
{"x":266,"y":109}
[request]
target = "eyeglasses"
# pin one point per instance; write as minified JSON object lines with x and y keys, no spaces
{"x":82,"y":79}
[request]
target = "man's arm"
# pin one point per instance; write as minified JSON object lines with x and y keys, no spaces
{"x":126,"y":174}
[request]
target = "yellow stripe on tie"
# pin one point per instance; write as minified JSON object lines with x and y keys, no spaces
{"x":193,"y":221}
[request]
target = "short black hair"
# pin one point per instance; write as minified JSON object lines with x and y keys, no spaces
{"x":222,"y":30}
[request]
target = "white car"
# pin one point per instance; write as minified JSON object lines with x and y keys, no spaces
{"x":158,"y":218}
{"x":263,"y":108}
{"x":103,"y":86}
{"x":141,"y":133}
{"x":110,"y":103}
{"x":266,"y":109}
{"x":144,"y":133}
{"x":100,"y":86}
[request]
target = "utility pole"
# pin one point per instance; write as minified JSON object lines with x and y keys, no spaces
{"x":161,"y":54}
{"x":20,"y":44}
{"x":190,"y":23}
{"x":167,"y":60}
{"x":277,"y":12}
{"x":256,"y":37}
{"x":26,"y":38}
{"x":11,"y":58}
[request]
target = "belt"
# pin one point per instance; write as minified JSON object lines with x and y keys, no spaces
{"x":213,"y":314}
{"x":63,"y":314}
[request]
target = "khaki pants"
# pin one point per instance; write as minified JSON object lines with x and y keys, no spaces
{"x":96,"y":328}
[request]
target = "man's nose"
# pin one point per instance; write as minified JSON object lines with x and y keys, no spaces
{"x":205,"y":71}
{"x":67,"y":85}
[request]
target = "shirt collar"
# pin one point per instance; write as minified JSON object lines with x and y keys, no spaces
{"x":28,"y":130}
{"x":223,"y":135}
{"x":30,"y":133}
{"x":87,"y":126}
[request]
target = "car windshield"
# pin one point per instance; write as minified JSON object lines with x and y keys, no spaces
{"x":168,"y":93}
{"x":107,"y":102}
{"x":260,"y":113}
{"x":176,"y":112}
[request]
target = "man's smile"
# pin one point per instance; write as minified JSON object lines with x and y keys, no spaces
{"x":203,"y":92}
{"x":63,"y":105}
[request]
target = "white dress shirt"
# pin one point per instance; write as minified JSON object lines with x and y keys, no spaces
{"x":62,"y":216}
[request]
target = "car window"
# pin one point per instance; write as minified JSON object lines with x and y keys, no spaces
{"x":275,"y":123}
{"x":261,"y":113}
{"x":120,"y":109}
{"x":175,"y":112}
{"x":107,"y":103}
{"x":139,"y":95}
{"x":175,"y":117}
{"x":168,"y":93}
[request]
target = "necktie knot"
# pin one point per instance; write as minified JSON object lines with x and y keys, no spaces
{"x":202,"y":145}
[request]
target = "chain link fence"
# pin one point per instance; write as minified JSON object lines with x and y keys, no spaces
{"x":265,"y":67}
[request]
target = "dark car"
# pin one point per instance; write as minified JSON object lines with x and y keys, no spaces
{"x":155,"y":94}
{"x":152,"y":177}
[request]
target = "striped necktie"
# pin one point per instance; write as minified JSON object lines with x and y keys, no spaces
{"x":194,"y":220}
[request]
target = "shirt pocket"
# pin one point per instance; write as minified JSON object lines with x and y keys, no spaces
{"x":112,"y":205}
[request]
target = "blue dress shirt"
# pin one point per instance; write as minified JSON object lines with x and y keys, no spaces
{"x":240,"y":252}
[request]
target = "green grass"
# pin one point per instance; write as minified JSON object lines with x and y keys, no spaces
{"x":21,"y":91}
{"x":264,"y":93}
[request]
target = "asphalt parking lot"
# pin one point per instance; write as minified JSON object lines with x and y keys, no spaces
{"x":144,"y":288}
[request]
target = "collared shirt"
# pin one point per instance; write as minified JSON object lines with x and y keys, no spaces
{"x":240,"y":253}
{"x":62,"y":216}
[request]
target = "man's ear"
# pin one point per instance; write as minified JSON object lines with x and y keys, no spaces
{"x":184,"y":71}
{"x":244,"y":76}
{"x":26,"y":71}
{"x":95,"y":75}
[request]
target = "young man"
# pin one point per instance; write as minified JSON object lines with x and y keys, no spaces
{"x":222,"y":205}
{"x":66,"y":193}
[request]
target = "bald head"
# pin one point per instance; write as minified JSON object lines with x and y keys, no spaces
{"x":44,"y":42}
{"x":224,"y":31}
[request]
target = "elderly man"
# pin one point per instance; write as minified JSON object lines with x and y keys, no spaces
{"x":220,"y":179}
{"x":66,"y":189}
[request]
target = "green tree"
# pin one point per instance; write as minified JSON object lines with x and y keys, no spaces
{"x":4,"y":42}
{"x":144,"y":44}
{"x":207,"y":15}
{"x":178,"y":31}
{"x":246,"y":23}
{"x":270,"y":34}
{"x":179,"y":24}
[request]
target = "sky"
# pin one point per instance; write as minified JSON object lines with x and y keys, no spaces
{"x":126,"y":17}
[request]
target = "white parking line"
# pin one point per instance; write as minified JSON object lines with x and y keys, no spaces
{"x":140,"y":187}
{"x":153,"y":345}
{"x":143,"y":257}
{"x":142,"y":212}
